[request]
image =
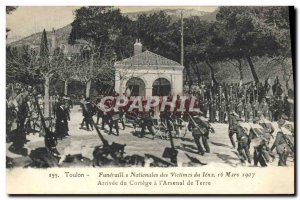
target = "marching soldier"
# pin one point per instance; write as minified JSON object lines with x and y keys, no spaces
{"x":200,"y":130}
{"x":222,"y":113}
{"x":260,"y":140}
{"x":264,"y":108}
{"x":205,"y":107}
{"x":148,"y":123}
{"x":243,"y":142}
{"x":255,"y":105}
{"x":88,"y":112}
{"x":232,"y":126}
{"x":62,"y":118}
{"x":212,"y":111}
{"x":284,"y":143}
{"x":247,"y":111}
{"x":240,"y":108}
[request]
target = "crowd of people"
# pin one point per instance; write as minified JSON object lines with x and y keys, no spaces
{"x":217,"y":101}
{"x":250,"y":111}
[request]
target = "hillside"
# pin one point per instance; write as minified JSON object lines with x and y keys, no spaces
{"x":63,"y":33}
{"x":175,"y":14}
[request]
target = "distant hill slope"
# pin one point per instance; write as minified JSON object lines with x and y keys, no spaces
{"x":63,"y":33}
{"x":175,"y":14}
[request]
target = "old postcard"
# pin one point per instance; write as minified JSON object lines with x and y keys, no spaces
{"x":150,"y":100}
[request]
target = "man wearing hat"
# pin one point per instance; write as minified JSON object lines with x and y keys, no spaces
{"x":232,"y":126}
{"x":200,"y":130}
{"x":260,"y":140}
{"x":243,"y":142}
{"x":284,"y":143}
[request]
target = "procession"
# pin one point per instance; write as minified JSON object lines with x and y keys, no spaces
{"x":92,"y":103}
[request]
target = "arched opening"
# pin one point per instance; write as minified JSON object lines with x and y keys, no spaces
{"x":161,"y":87}
{"x":135,"y":87}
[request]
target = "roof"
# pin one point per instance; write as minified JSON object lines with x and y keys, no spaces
{"x":147,"y":58}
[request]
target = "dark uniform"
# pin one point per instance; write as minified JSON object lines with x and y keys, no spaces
{"x":255,"y":105}
{"x":212,"y":111}
{"x":148,"y":123}
{"x":264,"y":108}
{"x":61,"y":124}
{"x":222,"y":113}
{"x":247,"y":111}
{"x":243,"y":144}
{"x":239,"y":108}
{"x":260,"y":139}
{"x":232,"y":127}
{"x":284,"y":145}
{"x":200,"y":130}
{"x":88,"y":112}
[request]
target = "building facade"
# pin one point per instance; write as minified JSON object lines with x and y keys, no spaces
{"x":148,"y":74}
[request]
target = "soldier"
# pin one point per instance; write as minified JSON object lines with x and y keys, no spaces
{"x":255,"y":105}
{"x":284,"y":143}
{"x":264,"y":108}
{"x":232,"y":126}
{"x":222,"y":111}
{"x":61,"y":124}
{"x":243,"y":142}
{"x":186,"y":87}
{"x":240,"y":108}
{"x":212,"y":111}
{"x":260,"y":140}
{"x":247,"y":111}
{"x":205,"y":107}
{"x":113,"y":119}
{"x":148,"y":123}
{"x":200,"y":130}
{"x":88,"y":112}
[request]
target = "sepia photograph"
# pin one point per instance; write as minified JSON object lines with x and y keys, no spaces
{"x":118,"y":96}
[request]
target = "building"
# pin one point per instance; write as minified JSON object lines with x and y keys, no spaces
{"x":148,"y":74}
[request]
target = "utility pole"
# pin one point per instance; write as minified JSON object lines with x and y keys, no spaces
{"x":182,"y":37}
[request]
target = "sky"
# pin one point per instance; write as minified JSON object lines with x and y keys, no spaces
{"x":28,"y":20}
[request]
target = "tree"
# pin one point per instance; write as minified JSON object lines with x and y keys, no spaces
{"x":103,"y":27}
{"x":89,"y":66}
{"x":250,"y":32}
{"x":158,"y":34}
{"x":46,"y":66}
{"x":66,"y":72}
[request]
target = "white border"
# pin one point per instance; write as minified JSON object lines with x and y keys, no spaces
{"x":97,"y":2}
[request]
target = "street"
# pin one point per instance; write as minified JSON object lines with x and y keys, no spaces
{"x":84,"y":141}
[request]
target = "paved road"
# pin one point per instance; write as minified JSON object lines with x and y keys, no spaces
{"x":81,"y":140}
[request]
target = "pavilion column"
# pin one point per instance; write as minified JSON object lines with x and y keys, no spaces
{"x":148,"y":91}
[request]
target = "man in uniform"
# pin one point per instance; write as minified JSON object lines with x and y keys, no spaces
{"x":232,"y":126}
{"x":260,"y":139}
{"x":88,"y":112}
{"x":243,"y":143}
{"x":148,"y":123}
{"x":222,"y":113}
{"x":200,"y":130}
{"x":255,"y":105}
{"x":61,"y":124}
{"x":264,"y":108}
{"x":240,"y":108}
{"x":212,"y":111}
{"x":284,"y":143}
{"x":205,"y":107}
{"x":247,"y":111}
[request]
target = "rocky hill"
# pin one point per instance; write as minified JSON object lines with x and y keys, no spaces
{"x":62,"y":34}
